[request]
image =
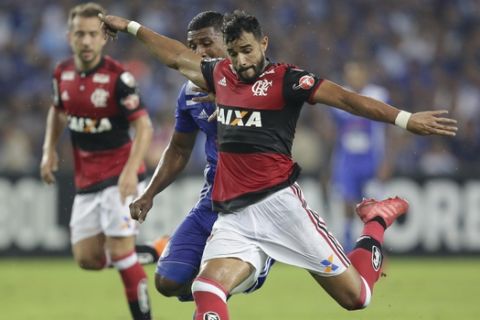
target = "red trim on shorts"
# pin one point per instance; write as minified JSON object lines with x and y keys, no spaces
{"x":320,"y":226}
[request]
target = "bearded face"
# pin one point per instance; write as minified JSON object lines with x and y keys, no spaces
{"x":248,"y":56}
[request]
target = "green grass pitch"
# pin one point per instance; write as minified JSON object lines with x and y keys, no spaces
{"x":426,"y":289}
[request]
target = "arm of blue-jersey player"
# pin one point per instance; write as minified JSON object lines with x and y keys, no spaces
{"x":172,"y":162}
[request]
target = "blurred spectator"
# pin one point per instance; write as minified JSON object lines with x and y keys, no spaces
{"x":427,"y":54}
{"x":437,"y":159}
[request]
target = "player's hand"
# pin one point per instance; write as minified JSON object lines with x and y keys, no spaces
{"x":432,"y":122}
{"x":112,"y":24}
{"x":127,"y":184}
{"x":140,"y":207}
{"x":208,"y":97}
{"x":48,"y":166}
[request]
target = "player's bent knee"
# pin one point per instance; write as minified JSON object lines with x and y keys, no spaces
{"x":353,"y":301}
{"x":167,"y":287}
{"x":90,"y":264}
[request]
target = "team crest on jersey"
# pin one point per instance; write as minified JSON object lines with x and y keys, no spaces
{"x":305,"y":83}
{"x":210,"y":315}
{"x":99,"y":98}
{"x":88,"y":125}
{"x":131,"y":102}
{"x":101,"y":78}
{"x":67,"y":75}
{"x":239,"y":118}
{"x":261,"y":87}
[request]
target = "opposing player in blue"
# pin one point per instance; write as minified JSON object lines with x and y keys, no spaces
{"x":358,"y":154}
{"x":180,"y":262}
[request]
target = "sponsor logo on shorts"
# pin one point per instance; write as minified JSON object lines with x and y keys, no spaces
{"x":328,"y":264}
{"x":210,"y":315}
{"x":376,"y":258}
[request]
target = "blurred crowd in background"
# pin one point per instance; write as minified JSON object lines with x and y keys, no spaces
{"x":426,"y":53}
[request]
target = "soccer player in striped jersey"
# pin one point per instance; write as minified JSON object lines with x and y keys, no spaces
{"x":98,"y":100}
{"x":262,"y":211}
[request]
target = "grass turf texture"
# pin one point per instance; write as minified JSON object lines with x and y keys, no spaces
{"x":427,"y":289}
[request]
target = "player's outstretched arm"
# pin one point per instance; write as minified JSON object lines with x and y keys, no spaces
{"x":170,"y":52}
{"x":173,"y":161}
{"x":422,"y":123}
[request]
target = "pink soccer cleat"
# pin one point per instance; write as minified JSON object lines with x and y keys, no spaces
{"x":389,"y":209}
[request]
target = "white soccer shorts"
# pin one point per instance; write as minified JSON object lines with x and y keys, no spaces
{"x":102,"y":212}
{"x":281,"y":226}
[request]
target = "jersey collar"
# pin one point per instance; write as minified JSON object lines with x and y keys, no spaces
{"x":94,"y":69}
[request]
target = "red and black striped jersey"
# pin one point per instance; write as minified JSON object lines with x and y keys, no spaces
{"x":256,"y":127}
{"x":99,"y":104}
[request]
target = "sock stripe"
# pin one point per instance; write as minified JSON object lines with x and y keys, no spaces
{"x":126,"y":261}
{"x":206,"y":285}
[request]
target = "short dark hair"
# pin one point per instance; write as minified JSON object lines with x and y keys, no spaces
{"x":237,"y":22}
{"x":86,"y":10}
{"x":206,"y":19}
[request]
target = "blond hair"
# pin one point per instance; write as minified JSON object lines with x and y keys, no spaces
{"x":86,"y":10}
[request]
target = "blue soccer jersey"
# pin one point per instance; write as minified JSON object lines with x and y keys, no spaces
{"x":359,"y":148}
{"x":191,"y":116}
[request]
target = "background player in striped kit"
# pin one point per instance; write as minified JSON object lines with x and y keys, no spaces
{"x":98,"y":100}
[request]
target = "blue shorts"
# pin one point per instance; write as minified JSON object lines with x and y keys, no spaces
{"x":180,"y":261}
{"x":350,"y":181}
